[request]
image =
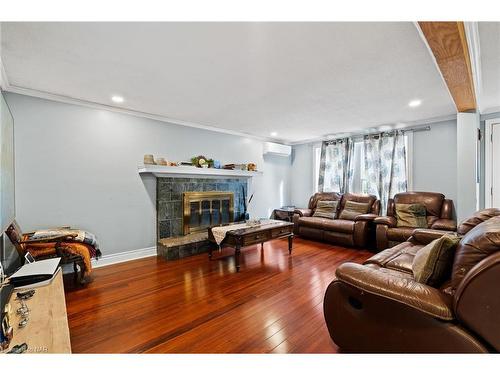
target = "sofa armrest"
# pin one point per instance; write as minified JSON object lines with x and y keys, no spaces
{"x":426,"y":236}
{"x":444,"y":224}
{"x":390,"y":221}
{"x":476,"y":299}
{"x":404,"y":290}
{"x":365,"y":217}
{"x":303,"y":211}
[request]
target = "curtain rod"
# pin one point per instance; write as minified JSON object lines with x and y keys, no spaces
{"x":361,"y":135}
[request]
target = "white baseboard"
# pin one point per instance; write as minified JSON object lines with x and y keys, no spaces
{"x":107,"y":260}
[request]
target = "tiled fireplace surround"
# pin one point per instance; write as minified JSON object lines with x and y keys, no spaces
{"x":171,"y":243}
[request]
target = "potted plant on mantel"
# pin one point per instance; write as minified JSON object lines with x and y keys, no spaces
{"x":202,"y":162}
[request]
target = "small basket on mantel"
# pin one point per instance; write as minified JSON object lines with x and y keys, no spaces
{"x":148,"y":159}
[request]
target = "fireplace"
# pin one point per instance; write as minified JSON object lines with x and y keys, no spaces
{"x":185,"y":207}
{"x":207,"y":208}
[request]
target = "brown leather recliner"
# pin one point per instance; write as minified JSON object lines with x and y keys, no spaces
{"x":379,"y":307}
{"x":357,"y":232}
{"x":439,"y":216}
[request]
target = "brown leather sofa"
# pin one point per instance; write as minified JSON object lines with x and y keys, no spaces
{"x":379,"y":307}
{"x":356,"y":233}
{"x":439,"y":216}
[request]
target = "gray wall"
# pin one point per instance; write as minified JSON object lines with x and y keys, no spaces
{"x":434,"y":163}
{"x":78,"y":166}
{"x":435,"y":159}
{"x":302,"y":176}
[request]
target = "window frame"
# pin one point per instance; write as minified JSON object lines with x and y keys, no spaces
{"x":316,"y":160}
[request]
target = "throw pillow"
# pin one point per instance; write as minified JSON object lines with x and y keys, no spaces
{"x":326,"y":209}
{"x":432,"y":263}
{"x":411,"y":215}
{"x":353,"y":209}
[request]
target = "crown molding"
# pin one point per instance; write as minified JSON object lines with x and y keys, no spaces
{"x":472,"y":35}
{"x":75,"y":101}
{"x":379,"y":128}
{"x":490,"y":110}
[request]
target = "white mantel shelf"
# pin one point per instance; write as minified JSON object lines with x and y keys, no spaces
{"x":164,"y":171}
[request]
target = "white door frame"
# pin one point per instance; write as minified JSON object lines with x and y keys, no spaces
{"x":488,"y":165}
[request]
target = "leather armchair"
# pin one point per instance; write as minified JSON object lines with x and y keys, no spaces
{"x":356,"y":233}
{"x":439,"y":217}
{"x":379,"y":307}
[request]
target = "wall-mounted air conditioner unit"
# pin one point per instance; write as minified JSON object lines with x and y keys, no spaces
{"x":271,"y":148}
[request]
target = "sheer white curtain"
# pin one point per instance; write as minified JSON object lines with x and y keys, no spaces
{"x":334,"y":168}
{"x":385,"y":166}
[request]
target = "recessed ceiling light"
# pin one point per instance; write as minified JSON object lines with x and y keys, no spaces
{"x":117,"y":99}
{"x":415,"y":103}
{"x":274,"y":134}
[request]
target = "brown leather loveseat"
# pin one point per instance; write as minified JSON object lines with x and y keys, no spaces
{"x":380,"y":307}
{"x":354,"y":233}
{"x":439,"y":216}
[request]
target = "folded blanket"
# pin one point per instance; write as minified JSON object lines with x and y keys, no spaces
{"x":79,"y":236}
{"x":82,"y":243}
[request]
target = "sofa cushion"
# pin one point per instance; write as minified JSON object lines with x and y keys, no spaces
{"x":313,"y":201}
{"x":399,"y":257}
{"x":411,"y":215}
{"x":311,"y":222}
{"x":477,"y":244}
{"x":326,"y":209}
{"x":353,"y":209}
{"x":404,"y":261}
{"x":433,"y":202}
{"x":432,"y":264}
{"x":382,"y":257}
{"x":342,"y":226}
{"x":399,"y":234}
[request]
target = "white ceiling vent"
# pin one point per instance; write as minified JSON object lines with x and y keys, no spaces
{"x":271,"y":148}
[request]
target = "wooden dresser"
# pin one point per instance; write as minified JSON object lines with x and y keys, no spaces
{"x":47,"y":330}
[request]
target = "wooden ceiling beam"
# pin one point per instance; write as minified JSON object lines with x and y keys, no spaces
{"x":448,"y":44}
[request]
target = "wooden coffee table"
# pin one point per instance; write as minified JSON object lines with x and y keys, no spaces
{"x":238,"y":238}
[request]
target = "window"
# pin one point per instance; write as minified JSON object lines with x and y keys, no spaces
{"x":359,"y":182}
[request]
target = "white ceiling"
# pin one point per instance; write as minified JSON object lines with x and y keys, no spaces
{"x":301,"y":80}
{"x":489,"y":94}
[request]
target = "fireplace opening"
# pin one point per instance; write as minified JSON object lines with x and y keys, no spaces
{"x":202,"y":210}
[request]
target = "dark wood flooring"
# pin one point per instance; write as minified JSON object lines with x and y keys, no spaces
{"x":193,"y":305}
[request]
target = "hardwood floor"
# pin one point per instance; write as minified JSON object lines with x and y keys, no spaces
{"x":193,"y":305}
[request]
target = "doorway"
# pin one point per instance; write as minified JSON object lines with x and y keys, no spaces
{"x":492,"y":163}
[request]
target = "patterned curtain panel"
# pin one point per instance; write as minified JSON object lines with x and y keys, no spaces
{"x":385,"y":166}
{"x":335,"y":165}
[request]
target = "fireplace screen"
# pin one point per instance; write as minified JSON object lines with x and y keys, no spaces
{"x":205,"y":209}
